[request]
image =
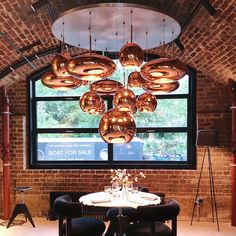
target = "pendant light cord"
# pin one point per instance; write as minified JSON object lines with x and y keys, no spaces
{"x":163,"y":49}
{"x":131,"y":26}
{"x":90,"y":34}
{"x":146,"y":46}
{"x":63,"y":37}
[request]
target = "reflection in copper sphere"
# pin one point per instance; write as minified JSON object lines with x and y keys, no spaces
{"x":91,"y":66}
{"x":131,"y":55}
{"x":133,"y":110}
{"x":156,"y":88}
{"x":59,"y":64}
{"x":135,"y":80}
{"x":106,"y":86}
{"x":84,"y":82}
{"x":60,"y":83}
{"x":90,"y":102}
{"x":163,"y":70}
{"x":100,"y":109}
{"x":146,"y":102}
{"x":117,"y":126}
{"x":124,"y":99}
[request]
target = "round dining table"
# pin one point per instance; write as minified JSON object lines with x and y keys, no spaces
{"x":102,"y":199}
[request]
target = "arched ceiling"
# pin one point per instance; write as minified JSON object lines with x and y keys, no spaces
{"x":209,"y":41}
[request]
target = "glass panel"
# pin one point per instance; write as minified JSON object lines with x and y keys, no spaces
{"x":153,"y":147}
{"x":183,"y":86}
{"x":64,"y":114}
{"x":169,"y":113}
{"x":71,"y":147}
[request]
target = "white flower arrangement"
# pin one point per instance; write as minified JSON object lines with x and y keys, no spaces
{"x":123,"y":177}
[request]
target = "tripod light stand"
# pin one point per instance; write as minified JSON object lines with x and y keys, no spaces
{"x":207,"y":138}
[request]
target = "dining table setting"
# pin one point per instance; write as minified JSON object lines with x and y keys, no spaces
{"x":122,"y":193}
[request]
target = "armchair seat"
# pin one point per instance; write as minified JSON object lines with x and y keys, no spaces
{"x":70,"y":221}
{"x":143,"y":229}
{"x":85,"y":226}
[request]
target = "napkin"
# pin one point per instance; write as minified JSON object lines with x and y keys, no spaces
{"x":150,"y":198}
{"x":96,"y":201}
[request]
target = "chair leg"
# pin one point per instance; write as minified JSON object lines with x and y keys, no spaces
{"x":28,"y":215}
{"x":20,"y":209}
{"x":174,"y":226}
{"x":60,"y":226}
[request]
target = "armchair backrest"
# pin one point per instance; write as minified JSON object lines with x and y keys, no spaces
{"x":161,"y":213}
{"x":64,"y":206}
{"x":164,"y":212}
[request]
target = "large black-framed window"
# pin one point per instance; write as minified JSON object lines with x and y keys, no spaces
{"x":62,"y":136}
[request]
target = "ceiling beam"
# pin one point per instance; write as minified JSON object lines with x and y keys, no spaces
{"x":41,"y":3}
{"x":29,"y":47}
{"x":211,"y":10}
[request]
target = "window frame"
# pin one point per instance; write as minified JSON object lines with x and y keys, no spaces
{"x":33,"y":131}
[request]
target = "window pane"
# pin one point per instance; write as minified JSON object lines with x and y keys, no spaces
{"x":64,"y":114}
{"x":153,"y":147}
{"x":71,"y":147}
{"x":183,"y":86}
{"x":169,"y":113}
{"x":43,"y":91}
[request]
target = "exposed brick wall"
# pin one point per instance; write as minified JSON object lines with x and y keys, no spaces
{"x":209,"y":46}
{"x":213,"y":112}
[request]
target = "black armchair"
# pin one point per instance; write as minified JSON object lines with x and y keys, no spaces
{"x":129,"y":215}
{"x":75,"y":225}
{"x":151,"y":218}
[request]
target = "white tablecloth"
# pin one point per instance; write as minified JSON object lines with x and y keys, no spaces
{"x":102,"y":199}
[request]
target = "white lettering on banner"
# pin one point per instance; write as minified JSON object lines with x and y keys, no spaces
{"x":85,"y":152}
{"x":70,"y":152}
{"x":54,"y":153}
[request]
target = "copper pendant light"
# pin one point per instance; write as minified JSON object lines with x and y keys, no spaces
{"x":156,"y":88}
{"x":59,"y":64}
{"x":117,"y":126}
{"x":125,"y":100}
{"x":163,"y":70}
{"x":60,"y":83}
{"x":90,"y":102}
{"x":131,"y":55}
{"x":146,"y":102}
{"x":135,"y":80}
{"x":91,"y":66}
{"x":106,"y":86}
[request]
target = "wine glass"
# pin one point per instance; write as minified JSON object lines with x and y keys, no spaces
{"x":108,"y":190}
{"x":129,"y":186}
{"x":115,"y":189}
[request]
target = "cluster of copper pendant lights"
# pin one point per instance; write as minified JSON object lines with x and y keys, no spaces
{"x":117,"y":125}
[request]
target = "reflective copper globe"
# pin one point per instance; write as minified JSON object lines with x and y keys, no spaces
{"x":124,"y":99}
{"x":146,"y":102}
{"x":117,"y":126}
{"x":163,"y":70}
{"x":91,"y":66}
{"x":131,"y":55}
{"x":106,"y":86}
{"x":59,"y":64}
{"x":135,"y":80}
{"x":60,"y":83}
{"x":156,"y":88}
{"x":90,"y":102}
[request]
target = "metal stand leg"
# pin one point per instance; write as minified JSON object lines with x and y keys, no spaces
{"x":122,"y":222}
{"x":212,"y":189}
{"x":198,"y":186}
{"x":212,"y":186}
